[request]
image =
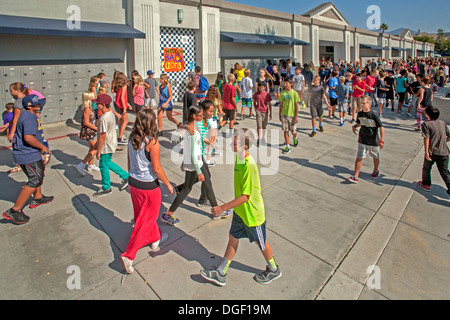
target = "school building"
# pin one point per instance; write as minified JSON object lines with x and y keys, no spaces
{"x":55,"y":46}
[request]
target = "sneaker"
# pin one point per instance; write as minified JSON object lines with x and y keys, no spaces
{"x":203,"y":204}
{"x":123,"y":141}
{"x":211,"y":164}
{"x":80,"y":168}
{"x":418,"y":129}
{"x":375,"y":174}
{"x":268,"y":276}
{"x":155,"y":245}
{"x":18,"y":217}
{"x":409,"y":115}
{"x":295,"y":142}
{"x":353,"y":179}
{"x":313,"y":134}
{"x":216,"y":154}
{"x":38,"y":202}
{"x":287,"y":150}
{"x":223,"y":215}
{"x":321,"y":128}
{"x":171,"y":220}
{"x":353,"y":121}
{"x":124,"y":184}
{"x":214,"y":276}
{"x":128,"y":264}
{"x":424,"y":187}
{"x":93,"y":167}
{"x":303,"y":105}
{"x":102,"y":192}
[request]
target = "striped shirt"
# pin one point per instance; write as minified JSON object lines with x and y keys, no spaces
{"x":203,"y":132}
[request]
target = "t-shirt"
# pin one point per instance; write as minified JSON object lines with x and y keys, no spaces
{"x":189,"y":100}
{"x":265,"y":81}
{"x":151,"y":91}
{"x":298,"y":82}
{"x":139,"y":97}
{"x":107,"y":123}
{"x":389,"y":83}
{"x":247,"y":182}
{"x":192,"y":152}
{"x":203,"y":133}
{"x":289,"y":99}
{"x":357,"y":93}
{"x":381,"y":85}
{"x":27,"y":124}
{"x":317,"y":93}
{"x":370,"y":122}
{"x":370,"y":82}
{"x":8,"y":117}
{"x":240,"y":74}
{"x":229,"y":94}
{"x":342,"y":91}
{"x":401,"y":84}
{"x":276,"y":78}
{"x":437,"y":131}
{"x":262,"y":100}
{"x":247,"y":86}
{"x":333,"y":83}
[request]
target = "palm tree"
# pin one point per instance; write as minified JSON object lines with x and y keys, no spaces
{"x":383,"y":27}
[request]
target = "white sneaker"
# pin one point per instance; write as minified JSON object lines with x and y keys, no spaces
{"x":93,"y":168}
{"x":128,"y":264}
{"x":155,"y":245}
{"x":80,"y":168}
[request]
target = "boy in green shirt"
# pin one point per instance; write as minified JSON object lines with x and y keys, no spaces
{"x":249,"y":219}
{"x":289,"y":100}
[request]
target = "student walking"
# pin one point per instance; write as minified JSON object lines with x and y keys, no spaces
{"x":247,"y":93}
{"x":435,"y":134}
{"x":342,"y":99}
{"x":193,"y":165}
{"x":368,"y":141}
{"x":229,"y":105}
{"x":249,"y":218}
{"x":316,"y":95}
{"x":28,"y":148}
{"x":263,"y":108}
{"x":165,"y":103}
{"x":107,"y":144}
{"x":138,"y":93}
{"x":151,"y":91}
{"x":289,"y":101}
{"x":121,"y":105}
{"x":425,"y":100}
{"x":144,"y":166}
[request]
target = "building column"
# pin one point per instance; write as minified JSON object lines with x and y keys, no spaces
{"x":208,"y":57}
{"x":296,"y":32}
{"x":315,"y":46}
{"x":347,"y":46}
{"x":356,"y":47}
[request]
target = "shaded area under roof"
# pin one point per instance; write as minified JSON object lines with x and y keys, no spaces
{"x":260,"y":39}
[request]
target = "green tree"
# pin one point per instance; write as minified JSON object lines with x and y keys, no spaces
{"x":384,"y":27}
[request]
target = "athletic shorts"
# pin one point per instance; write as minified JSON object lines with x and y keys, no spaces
{"x":401,"y":97}
{"x":342,"y":106}
{"x":240,"y":230}
{"x":363,"y":149}
{"x":34,"y":172}
{"x":288,"y":124}
{"x":247,"y":102}
{"x":333,"y":101}
{"x":229,"y":114}
{"x":316,"y":111}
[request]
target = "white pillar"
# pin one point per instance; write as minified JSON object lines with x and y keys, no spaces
{"x":209,"y":59}
{"x":347,"y":46}
{"x":314,"y":36}
{"x":296,"y":32}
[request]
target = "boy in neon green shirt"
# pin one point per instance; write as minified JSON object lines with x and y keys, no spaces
{"x":289,"y":100}
{"x":249,"y":219}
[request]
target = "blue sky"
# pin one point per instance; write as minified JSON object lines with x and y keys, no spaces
{"x":426,"y":15}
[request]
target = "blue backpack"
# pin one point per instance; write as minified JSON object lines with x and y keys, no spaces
{"x":203,"y":84}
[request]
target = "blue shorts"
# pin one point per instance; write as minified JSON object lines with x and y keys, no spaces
{"x":240,"y":230}
{"x":168,"y":108}
{"x":247,"y":102}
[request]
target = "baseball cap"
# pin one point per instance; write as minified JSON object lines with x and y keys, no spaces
{"x":103,"y":81}
{"x":30,"y":100}
{"x":150,"y":72}
{"x":103,"y":99}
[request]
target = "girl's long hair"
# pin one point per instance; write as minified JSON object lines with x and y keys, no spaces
{"x":121,"y":80}
{"x":213,"y":93}
{"x":19,"y":86}
{"x":144,"y":126}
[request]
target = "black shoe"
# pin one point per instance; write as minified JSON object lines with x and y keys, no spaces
{"x":320,"y":128}
{"x":313,"y":134}
{"x":124,"y":184}
{"x":18,"y":217}
{"x":43,"y":200}
{"x":102,"y":192}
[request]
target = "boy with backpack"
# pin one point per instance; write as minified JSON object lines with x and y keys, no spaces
{"x":201,"y":83}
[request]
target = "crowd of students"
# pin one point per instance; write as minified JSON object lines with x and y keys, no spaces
{"x":364,"y":93}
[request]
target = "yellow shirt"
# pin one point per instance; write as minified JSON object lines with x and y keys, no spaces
{"x":240,"y":74}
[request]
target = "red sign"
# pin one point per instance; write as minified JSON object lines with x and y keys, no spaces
{"x":173,"y":60}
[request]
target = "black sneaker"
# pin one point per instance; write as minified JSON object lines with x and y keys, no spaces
{"x":313,"y":134}
{"x":43,"y":200}
{"x":124,"y":184}
{"x":203,"y":204}
{"x":102,"y":192}
{"x":268,"y":276}
{"x":18,"y":217}
{"x":320,"y":128}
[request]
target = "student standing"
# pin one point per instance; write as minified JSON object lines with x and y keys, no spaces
{"x":332,"y":84}
{"x":138,"y":93}
{"x":165,"y":103}
{"x":189,"y":100}
{"x":151,"y":91}
{"x":107,"y":145}
{"x":381,"y":92}
{"x":359,"y":87}
{"x":28,"y":148}
{"x":249,"y":219}
{"x":425,"y":100}
{"x":229,"y":105}
{"x":121,"y":105}
{"x":435,"y":137}
{"x":263,"y":108}
{"x":277,"y":83}
{"x":368,"y":141}
{"x":390,"y":84}
{"x":145,"y":170}
{"x":402,"y":84}
{"x":289,"y":101}
{"x":314,"y":101}
{"x":343,"y":95}
{"x":247,"y":93}
{"x":299,"y":83}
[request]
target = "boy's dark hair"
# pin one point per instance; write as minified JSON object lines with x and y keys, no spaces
{"x":334,"y":74}
{"x":191,"y":85}
{"x":358,"y":75}
{"x":244,"y":137}
{"x":198,"y":69}
{"x":403,"y":72}
{"x":432,"y":112}
{"x":9,"y":106}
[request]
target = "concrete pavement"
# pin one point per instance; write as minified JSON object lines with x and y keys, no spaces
{"x":324,"y":231}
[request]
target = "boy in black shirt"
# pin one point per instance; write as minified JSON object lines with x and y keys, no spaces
{"x":189,"y":100}
{"x":368,"y":141}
